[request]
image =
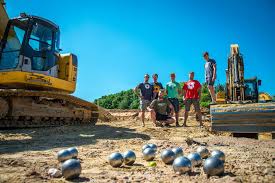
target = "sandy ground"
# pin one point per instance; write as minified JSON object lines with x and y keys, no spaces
{"x":27,"y":154}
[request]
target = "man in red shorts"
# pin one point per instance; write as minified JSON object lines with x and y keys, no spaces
{"x":192,"y":95}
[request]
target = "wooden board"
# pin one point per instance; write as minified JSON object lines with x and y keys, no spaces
{"x":243,"y":118}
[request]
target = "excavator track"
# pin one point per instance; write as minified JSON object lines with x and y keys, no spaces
{"x":26,"y":108}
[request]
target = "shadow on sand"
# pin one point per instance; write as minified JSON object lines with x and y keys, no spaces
{"x":37,"y":139}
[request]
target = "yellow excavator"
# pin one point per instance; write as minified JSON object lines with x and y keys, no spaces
{"x":36,"y":80}
{"x":238,"y":109}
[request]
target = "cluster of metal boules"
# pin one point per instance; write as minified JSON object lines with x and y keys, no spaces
{"x":213,"y":164}
{"x":70,"y":165}
{"x":117,"y":159}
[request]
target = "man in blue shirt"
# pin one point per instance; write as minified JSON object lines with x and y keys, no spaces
{"x":210,"y":75}
{"x":145,"y":93}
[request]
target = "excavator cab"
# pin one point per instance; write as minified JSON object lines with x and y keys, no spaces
{"x":30,"y":44}
{"x":251,"y":90}
{"x":30,"y":58}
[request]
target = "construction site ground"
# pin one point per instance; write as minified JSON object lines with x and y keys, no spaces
{"x":27,"y":154}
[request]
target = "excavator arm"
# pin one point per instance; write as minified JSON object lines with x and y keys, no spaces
{"x":4,"y":18}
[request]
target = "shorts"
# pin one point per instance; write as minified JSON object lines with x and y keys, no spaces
{"x":175,"y":103}
{"x":210,"y":82}
{"x":195,"y":102}
{"x":143,"y":104}
{"x":162,"y":117}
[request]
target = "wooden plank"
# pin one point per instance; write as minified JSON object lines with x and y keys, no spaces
{"x":243,"y":124}
{"x":244,"y":129}
{"x":239,"y":120}
{"x":256,"y":112}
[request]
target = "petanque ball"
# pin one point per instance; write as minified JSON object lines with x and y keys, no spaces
{"x":71,"y":169}
{"x":149,"y":154}
{"x":178,"y":151}
{"x":168,"y":156}
{"x":182,"y":165}
{"x":129,"y":157}
{"x":145,"y":147}
{"x":218,"y":154}
{"x":213,"y":166}
{"x":115,"y":159}
{"x":153,"y":146}
{"x":73,"y":151}
{"x":203,"y":151}
{"x":195,"y":159}
{"x":64,"y":155}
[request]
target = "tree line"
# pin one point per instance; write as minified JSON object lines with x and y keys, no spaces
{"x":129,"y":100}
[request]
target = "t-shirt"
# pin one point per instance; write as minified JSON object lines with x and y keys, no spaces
{"x":157,"y":86}
{"x":191,"y":89}
{"x":146,"y":90}
{"x":172,"y":89}
{"x":209,"y":68}
{"x":161,"y":107}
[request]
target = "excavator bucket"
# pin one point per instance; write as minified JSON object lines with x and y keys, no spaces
{"x":243,"y":118}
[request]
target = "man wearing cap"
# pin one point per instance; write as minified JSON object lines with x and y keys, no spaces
{"x":145,"y":93}
{"x":192,"y":95}
{"x":210,"y":75}
{"x":173,"y":90}
{"x":157,"y":86}
{"x":161,"y":110}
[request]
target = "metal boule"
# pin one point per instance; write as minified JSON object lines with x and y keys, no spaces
{"x":203,"y":151}
{"x":64,"y":155}
{"x":168,"y":156}
{"x":145,"y":147}
{"x":115,"y":159}
{"x":71,"y":169}
{"x":153,"y":146}
{"x":178,"y":151}
{"x":213,"y":166}
{"x":149,"y":154}
{"x":218,"y":154}
{"x":129,"y":157}
{"x":195,"y":159}
{"x":182,"y":165}
{"x":73,"y":151}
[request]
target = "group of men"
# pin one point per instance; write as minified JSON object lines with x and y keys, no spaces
{"x":164,"y":102}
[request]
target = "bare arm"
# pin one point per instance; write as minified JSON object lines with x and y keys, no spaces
{"x":183,"y":95}
{"x":172,"y":110}
{"x":199,"y":91}
{"x":214,"y":72}
{"x":136,"y":91}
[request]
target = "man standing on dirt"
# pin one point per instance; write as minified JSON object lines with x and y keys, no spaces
{"x":145,"y":93}
{"x":157,"y":86}
{"x":210,"y":75}
{"x":192,"y":95}
{"x":159,"y":110}
{"x":173,"y":90}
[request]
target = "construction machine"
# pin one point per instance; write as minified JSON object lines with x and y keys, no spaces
{"x":238,"y":110}
{"x":36,"y":80}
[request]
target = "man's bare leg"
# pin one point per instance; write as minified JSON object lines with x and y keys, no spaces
{"x":199,"y":115}
{"x":212,"y":93}
{"x":142,"y":118}
{"x":185,"y":118}
{"x":153,"y":117}
{"x":177,"y":118}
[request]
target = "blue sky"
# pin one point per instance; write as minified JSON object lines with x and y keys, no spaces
{"x":118,"y":41}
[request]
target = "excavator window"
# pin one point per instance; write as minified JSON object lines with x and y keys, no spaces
{"x":40,"y":41}
{"x":11,"y":50}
